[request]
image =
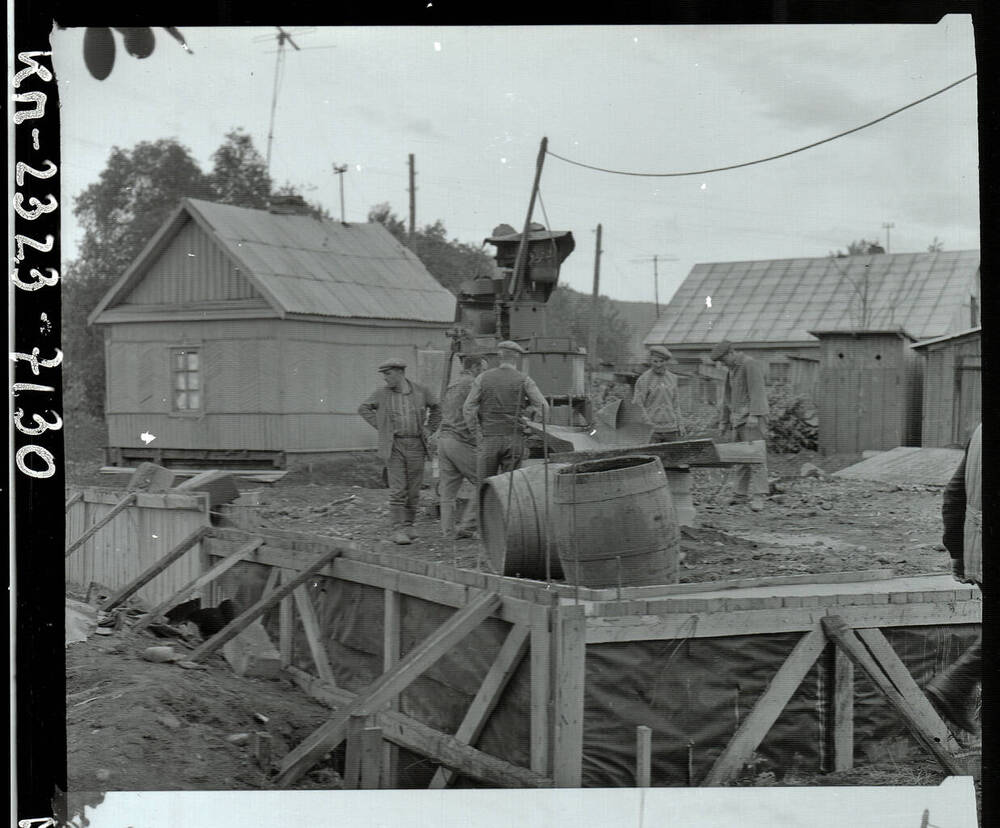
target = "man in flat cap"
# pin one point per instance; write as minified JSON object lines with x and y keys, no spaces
{"x":498,"y":399}
{"x":744,"y":416}
{"x":456,"y":447}
{"x":656,"y":392}
{"x":403,"y":412}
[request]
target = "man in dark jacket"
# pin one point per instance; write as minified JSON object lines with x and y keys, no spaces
{"x":456,"y":450}
{"x":402,"y":412}
{"x":953,"y":690}
{"x":744,"y":417}
{"x":497,"y":401}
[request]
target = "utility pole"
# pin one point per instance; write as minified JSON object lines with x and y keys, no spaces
{"x":887,"y":226}
{"x":656,"y":275}
{"x":413,"y":202}
{"x":925,"y":819}
{"x":283,"y":37}
{"x":592,"y":337}
{"x":339,"y":172}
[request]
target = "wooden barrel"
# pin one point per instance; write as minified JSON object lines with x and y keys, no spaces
{"x":615,"y":523}
{"x":515,"y":538}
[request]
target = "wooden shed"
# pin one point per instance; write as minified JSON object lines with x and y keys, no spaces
{"x":244,"y":337}
{"x":869,"y":389}
{"x":953,"y":388}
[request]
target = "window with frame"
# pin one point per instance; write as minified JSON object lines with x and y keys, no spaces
{"x":186,"y":376}
{"x":779,"y":373}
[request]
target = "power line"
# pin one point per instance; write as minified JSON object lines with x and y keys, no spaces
{"x":770,"y":157}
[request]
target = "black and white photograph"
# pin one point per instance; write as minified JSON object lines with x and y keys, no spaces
{"x":453,"y":409}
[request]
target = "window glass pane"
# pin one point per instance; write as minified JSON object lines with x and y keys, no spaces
{"x":180,"y":401}
{"x":192,"y":361}
{"x":180,"y":381}
{"x":178,"y":360}
{"x":194,"y":400}
{"x":192,"y":381}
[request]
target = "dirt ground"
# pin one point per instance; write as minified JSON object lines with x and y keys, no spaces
{"x":136,"y":725}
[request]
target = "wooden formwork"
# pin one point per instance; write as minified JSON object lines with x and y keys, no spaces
{"x":133,"y":531}
{"x":552,"y":627}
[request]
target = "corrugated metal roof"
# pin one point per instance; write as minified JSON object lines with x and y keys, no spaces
{"x":312,"y":266}
{"x":782,"y":300}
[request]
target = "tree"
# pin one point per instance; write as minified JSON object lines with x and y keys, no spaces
{"x":450,"y":262}
{"x":935,"y":246}
{"x":239,"y":175}
{"x":859,"y":248}
{"x":570,"y":313}
{"x":119,"y":213}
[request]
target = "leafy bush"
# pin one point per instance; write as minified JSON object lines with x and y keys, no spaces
{"x":793,"y":423}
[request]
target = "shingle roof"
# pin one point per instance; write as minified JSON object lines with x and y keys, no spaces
{"x":314,"y":266}
{"x":782,"y":300}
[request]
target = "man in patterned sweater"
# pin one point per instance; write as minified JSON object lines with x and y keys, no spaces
{"x":656,"y":392}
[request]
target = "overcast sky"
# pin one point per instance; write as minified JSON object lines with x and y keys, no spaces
{"x":472,"y":105}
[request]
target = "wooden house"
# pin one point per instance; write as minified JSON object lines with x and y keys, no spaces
{"x":244,"y":336}
{"x":953,"y":387}
{"x":868,"y":391}
{"x":767,"y":308}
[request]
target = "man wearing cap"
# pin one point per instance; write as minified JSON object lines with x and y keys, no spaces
{"x":744,"y":411}
{"x":493,"y":410}
{"x":402,"y":412}
{"x":656,"y":392}
{"x":457,"y":450}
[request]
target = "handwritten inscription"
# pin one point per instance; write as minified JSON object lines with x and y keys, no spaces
{"x":29,"y":256}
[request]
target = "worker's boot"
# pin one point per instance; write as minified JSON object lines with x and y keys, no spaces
{"x":952,"y":691}
{"x":469,"y":523}
{"x":397,"y":516}
{"x":447,"y":518}
{"x":756,"y":502}
{"x":409,"y":517}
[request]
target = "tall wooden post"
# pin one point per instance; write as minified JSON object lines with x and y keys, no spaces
{"x":592,"y":338}
{"x":569,"y":637}
{"x":413,"y":202}
{"x":522,"y":250}
{"x":390,"y":657}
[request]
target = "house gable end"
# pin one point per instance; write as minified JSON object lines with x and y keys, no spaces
{"x":191,"y":268}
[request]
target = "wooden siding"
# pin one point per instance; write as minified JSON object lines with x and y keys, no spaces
{"x":134,"y":540}
{"x":266,"y":384}
{"x":869,"y":393}
{"x":191,"y":269}
{"x":952,"y":393}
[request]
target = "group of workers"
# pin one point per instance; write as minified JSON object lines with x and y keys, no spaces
{"x":477,"y":430}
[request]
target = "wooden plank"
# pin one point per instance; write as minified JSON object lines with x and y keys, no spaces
{"x":541,"y":689}
{"x":388,"y":685}
{"x":901,"y":679}
{"x":488,"y":695}
{"x":119,"y":507}
{"x":265,"y":603}
{"x":185,"y":592}
{"x":749,"y":451}
{"x":371,"y":758}
{"x":76,"y":497}
{"x":391,"y":642}
{"x":147,"y":575}
{"x":286,"y":622}
{"x":569,"y":635}
{"x":424,"y":740}
{"x":843,"y":711}
{"x":313,"y":634}
{"x":666,"y":590}
{"x":699,"y":452}
{"x":922,"y":727}
{"x":273,"y":578}
{"x":758,"y":722}
{"x":643,"y":756}
{"x":786,"y":619}
{"x":353,"y":750}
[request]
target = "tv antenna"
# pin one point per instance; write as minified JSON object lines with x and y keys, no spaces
{"x":282,"y":37}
